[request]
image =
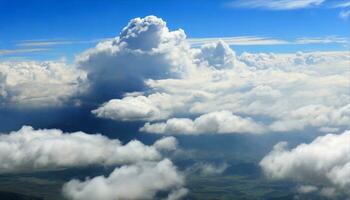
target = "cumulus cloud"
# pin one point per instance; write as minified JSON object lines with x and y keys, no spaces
{"x":130,"y":108}
{"x":47,"y":149}
{"x":325,"y":162}
{"x":39,"y":83}
{"x":217,"y":54}
{"x":166,"y":143}
{"x":222,"y":122}
{"x":138,"y":181}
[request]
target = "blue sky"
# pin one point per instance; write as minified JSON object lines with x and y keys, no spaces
{"x":54,"y":29}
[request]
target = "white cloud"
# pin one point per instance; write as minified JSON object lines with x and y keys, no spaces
{"x":47,"y":149}
{"x":218,"y":55}
{"x":138,"y":181}
{"x":222,"y":122}
{"x":275,"y":4}
{"x":324,"y":162}
{"x":39,"y":83}
{"x":166,"y":143}
{"x":130,"y":108}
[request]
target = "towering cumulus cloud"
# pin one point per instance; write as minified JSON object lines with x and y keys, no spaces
{"x":30,"y":83}
{"x":144,"y":49}
{"x":325,"y":162}
{"x":139,"y":181}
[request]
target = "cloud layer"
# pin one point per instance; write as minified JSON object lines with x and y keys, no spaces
{"x":264,"y":92}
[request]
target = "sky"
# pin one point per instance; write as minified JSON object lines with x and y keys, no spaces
{"x":157,"y":94}
{"x":69,"y":27}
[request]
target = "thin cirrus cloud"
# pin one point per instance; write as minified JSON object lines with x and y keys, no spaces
{"x":239,"y":40}
{"x":344,"y":14}
{"x":275,"y":4}
{"x":256,"y":41}
{"x":56,"y":42}
{"x":22,"y":51}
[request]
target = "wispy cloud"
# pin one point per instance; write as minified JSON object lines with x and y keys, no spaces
{"x":239,"y":40}
{"x":255,"y":40}
{"x":343,"y":4}
{"x":55,"y":42}
{"x":275,"y":4}
{"x":19,"y":51}
{"x":322,"y":40}
{"x":345,"y":14}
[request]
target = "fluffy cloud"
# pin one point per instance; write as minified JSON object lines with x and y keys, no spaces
{"x":218,"y":55}
{"x":138,"y":181}
{"x":325,"y":162}
{"x":166,"y":143}
{"x":152,"y":107}
{"x":39,"y":83}
{"x":46,"y":149}
{"x":215,"y":122}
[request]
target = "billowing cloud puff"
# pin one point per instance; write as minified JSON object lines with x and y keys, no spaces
{"x":325,"y":162}
{"x":46,"y":149}
{"x":153,"y":107}
{"x":218,"y":55}
{"x":144,"y":49}
{"x":39,"y":83}
{"x":138,"y":181}
{"x":216,"y":122}
{"x":166,"y":143}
